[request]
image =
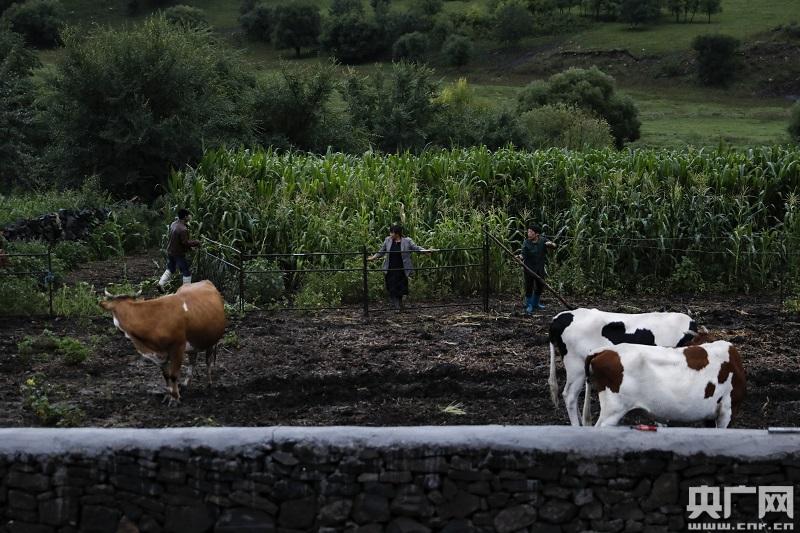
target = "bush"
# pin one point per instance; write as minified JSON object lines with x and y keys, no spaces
{"x":427,"y":8}
{"x":261,"y":287}
{"x":163,"y":119}
{"x":36,"y":394}
{"x":794,"y":122}
{"x":187,"y":16}
{"x":22,"y":296}
{"x":395,"y":24}
{"x":297,"y":26}
{"x":512,"y":21}
{"x":72,"y":253}
{"x":716,"y":58}
{"x":590,"y":90}
{"x":259,"y":22}
{"x":38,"y":21}
{"x":457,"y":50}
{"x":565,"y":126}
{"x":411,"y":46}
{"x":350,"y":38}
{"x":76,"y":301}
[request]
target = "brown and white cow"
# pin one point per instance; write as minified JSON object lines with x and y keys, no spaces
{"x":163,"y":329}
{"x":691,"y":384}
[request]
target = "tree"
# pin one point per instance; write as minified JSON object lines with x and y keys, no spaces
{"x":131,"y":104}
{"x":343,"y":7}
{"x":18,"y":122}
{"x":710,"y":7}
{"x":637,"y":12}
{"x":794,"y":122}
{"x":38,"y":21}
{"x":512,"y":22}
{"x":591,"y":90}
{"x":676,"y":8}
{"x":457,"y":50}
{"x":350,"y":38}
{"x":566,"y":126}
{"x":296,"y":26}
{"x":259,"y":22}
{"x":394,"y":108}
{"x":716,"y":58}
{"x":411,"y":47}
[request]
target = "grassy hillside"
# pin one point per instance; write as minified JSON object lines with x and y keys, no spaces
{"x":674,"y":112}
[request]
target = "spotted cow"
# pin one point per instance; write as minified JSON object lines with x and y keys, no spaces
{"x":163,"y":329}
{"x":577,"y":333}
{"x":690,"y":384}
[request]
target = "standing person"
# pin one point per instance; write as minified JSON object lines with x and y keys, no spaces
{"x":397,"y":265}
{"x":534,"y":255}
{"x":178,"y":245}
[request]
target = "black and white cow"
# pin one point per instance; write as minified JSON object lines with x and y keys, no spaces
{"x":580,"y":332}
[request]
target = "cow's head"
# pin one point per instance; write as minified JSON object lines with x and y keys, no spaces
{"x":702,"y":336}
{"x":112,"y":300}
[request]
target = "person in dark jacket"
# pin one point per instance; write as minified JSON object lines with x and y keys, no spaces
{"x":534,"y":255}
{"x":178,"y":246}
{"x":397,"y":264}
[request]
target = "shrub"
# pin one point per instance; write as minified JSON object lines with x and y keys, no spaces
{"x":686,"y":277}
{"x":297,"y":25}
{"x":187,"y":16}
{"x":428,"y":8}
{"x":794,"y":122}
{"x":512,"y":21}
{"x":350,"y":38}
{"x":457,"y":50}
{"x":716,"y":58}
{"x":22,"y":296}
{"x":72,"y":253}
{"x":76,"y":301}
{"x":395,"y":24}
{"x":163,"y":119}
{"x":262,"y":287}
{"x":38,"y":21}
{"x":36,"y":394}
{"x":565,"y":126}
{"x":591,"y":90}
{"x":259,"y":22}
{"x":411,"y":46}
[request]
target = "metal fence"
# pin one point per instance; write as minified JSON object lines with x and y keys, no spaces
{"x":228,"y":269}
{"x":45,"y":275}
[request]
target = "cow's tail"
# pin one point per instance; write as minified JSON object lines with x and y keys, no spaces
{"x":553,"y":379}
{"x":587,"y":393}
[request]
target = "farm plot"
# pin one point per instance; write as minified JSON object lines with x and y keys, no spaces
{"x":423,"y":367}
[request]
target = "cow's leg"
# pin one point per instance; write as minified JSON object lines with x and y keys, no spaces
{"x":553,"y":379}
{"x":572,"y":389}
{"x":611,"y":409}
{"x":173,"y":374}
{"x":587,"y":404}
{"x":211,"y":360}
{"x":190,"y":368}
{"x":724,"y":412}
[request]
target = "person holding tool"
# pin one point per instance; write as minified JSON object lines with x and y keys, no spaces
{"x":534,"y":255}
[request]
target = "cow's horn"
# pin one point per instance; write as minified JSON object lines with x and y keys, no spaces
{"x":108,"y":294}
{"x":139,"y":293}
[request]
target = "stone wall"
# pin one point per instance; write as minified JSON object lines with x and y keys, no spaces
{"x":453,"y":479}
{"x":65,"y":224}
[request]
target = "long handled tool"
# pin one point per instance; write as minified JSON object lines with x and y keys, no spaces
{"x":531,"y":272}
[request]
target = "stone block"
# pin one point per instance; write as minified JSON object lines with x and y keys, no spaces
{"x":514,"y":518}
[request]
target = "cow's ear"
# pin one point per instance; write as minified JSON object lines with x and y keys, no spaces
{"x":105,"y":304}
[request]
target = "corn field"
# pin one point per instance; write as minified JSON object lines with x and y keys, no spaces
{"x":640,"y":220}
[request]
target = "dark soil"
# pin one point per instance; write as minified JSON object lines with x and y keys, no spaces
{"x":394,"y":369}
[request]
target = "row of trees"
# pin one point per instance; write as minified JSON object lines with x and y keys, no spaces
{"x":131,"y":104}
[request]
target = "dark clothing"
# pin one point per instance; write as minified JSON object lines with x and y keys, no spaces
{"x":178,"y":244}
{"x":406,"y":247}
{"x":396,"y":279}
{"x":534,"y":254}
{"x":533,"y":285}
{"x":180,"y":262}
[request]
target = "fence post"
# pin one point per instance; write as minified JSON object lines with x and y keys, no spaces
{"x":485,"y":269}
{"x":366,"y":282}
{"x":50,"y":276}
{"x":241,"y":281}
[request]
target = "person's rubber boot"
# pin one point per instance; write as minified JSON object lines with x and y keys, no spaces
{"x":395,"y":303}
{"x":536,"y":304}
{"x":529,"y":305}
